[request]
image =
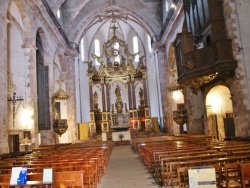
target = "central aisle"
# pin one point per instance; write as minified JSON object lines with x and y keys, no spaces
{"x":126,"y":170}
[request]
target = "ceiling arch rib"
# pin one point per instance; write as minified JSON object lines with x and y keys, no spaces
{"x":76,"y":20}
{"x":100,"y":21}
{"x":55,"y":4}
{"x":90,"y":20}
{"x":25,"y":21}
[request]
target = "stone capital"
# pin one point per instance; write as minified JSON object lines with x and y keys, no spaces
{"x":71,"y":52}
{"x":29,"y":43}
{"x":158,"y":46}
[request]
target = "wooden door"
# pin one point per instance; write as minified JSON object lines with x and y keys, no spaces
{"x":229,"y":127}
{"x":14,"y":143}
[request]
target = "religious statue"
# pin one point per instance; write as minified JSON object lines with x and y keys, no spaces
{"x":141,"y":61}
{"x":126,"y":109}
{"x":123,"y":62}
{"x":118,"y":103}
{"x":109,"y":63}
{"x":91,"y":67}
{"x":118,"y":92}
{"x":95,"y":100}
{"x":141,"y":94}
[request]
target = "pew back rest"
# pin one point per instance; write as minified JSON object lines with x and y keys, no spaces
{"x":74,"y":177}
{"x":245,"y":174}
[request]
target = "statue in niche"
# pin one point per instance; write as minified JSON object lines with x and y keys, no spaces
{"x":126,"y":109}
{"x":95,"y":99}
{"x":142,"y":61}
{"x":109,"y":63}
{"x":90,"y":66}
{"x":118,"y":92}
{"x":141,"y":95}
{"x":118,"y":103}
{"x":123,"y":62}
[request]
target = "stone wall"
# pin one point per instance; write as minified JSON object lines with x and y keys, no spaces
{"x":238,"y":25}
{"x":34,"y":19}
{"x":3,"y":78}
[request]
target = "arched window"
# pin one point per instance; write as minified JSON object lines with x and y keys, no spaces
{"x":97,"y":50}
{"x":82,"y":49}
{"x":149,"y":44}
{"x":136,"y":48}
{"x":58,"y":13}
{"x":43,"y":100}
{"x":116,"y":47}
{"x":166,"y":6}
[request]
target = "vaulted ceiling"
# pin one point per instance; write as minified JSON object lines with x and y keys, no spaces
{"x":78,"y":16}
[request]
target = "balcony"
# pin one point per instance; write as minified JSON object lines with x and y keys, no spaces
{"x":198,"y":67}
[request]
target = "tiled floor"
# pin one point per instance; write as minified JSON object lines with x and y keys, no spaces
{"x":125,"y":170}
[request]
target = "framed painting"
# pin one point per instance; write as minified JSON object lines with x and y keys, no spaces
{"x":27,"y":135}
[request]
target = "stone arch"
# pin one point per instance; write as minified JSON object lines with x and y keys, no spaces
{"x":44,"y":41}
{"x":56,"y":74}
{"x":88,"y":22}
{"x":16,"y":57}
{"x":62,"y":63}
{"x":175,"y":97}
{"x":24,"y":15}
{"x":42,"y":75}
{"x":220,"y":114}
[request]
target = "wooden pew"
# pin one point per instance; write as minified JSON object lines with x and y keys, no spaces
{"x":4,"y":179}
{"x":68,"y":178}
{"x":92,"y":160}
{"x":245,"y":174}
{"x":169,"y":171}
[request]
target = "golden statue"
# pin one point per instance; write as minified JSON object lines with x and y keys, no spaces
{"x":141,"y":94}
{"x":118,"y":104}
{"x":118,"y":92}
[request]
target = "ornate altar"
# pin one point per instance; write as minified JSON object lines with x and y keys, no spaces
{"x":117,"y":66}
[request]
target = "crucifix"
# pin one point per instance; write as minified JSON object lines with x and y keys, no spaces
{"x":15,"y":100}
{"x":114,"y":28}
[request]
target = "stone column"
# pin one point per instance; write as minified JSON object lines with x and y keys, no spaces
{"x":108,"y":97}
{"x":91,"y":97}
{"x":145,"y":93}
{"x":133,"y":95}
{"x":30,"y":97}
{"x":3,"y":78}
{"x":161,"y":57}
{"x":71,"y":56}
{"x":103,"y":98}
{"x":47,"y":136}
{"x":129,"y":97}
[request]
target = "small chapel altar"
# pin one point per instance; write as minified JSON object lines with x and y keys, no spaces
{"x":118,"y":89}
{"x":121,"y":136}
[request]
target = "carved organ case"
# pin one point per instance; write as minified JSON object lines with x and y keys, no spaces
{"x":203,"y":50}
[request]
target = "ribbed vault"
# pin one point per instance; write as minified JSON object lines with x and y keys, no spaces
{"x":80,"y":15}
